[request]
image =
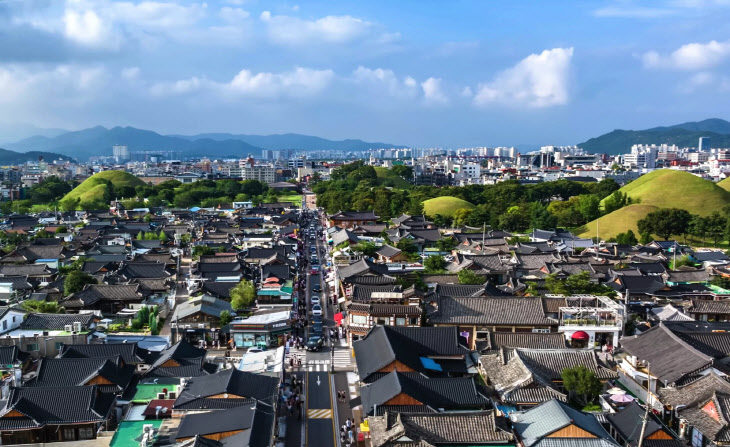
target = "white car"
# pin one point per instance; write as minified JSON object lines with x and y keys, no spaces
{"x":314,"y":299}
{"x":316,"y":309}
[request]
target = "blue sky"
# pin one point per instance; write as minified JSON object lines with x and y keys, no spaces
{"x":424,"y":73}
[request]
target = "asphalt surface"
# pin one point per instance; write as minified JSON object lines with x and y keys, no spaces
{"x":320,"y":429}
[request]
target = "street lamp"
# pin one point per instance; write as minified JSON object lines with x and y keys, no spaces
{"x":332,"y":354}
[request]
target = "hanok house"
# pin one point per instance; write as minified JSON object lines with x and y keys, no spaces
{"x":246,"y":425}
{"x":527,"y":377}
{"x":363,"y":316}
{"x":108,"y":299}
{"x":110,"y":375}
{"x":664,"y":356}
{"x":622,"y":426}
{"x":398,"y":390}
{"x":434,"y":352}
{"x":199,"y":317}
{"x":388,"y":253}
{"x":42,"y":335}
{"x":226,"y":389}
{"x":476,"y":317}
{"x":181,"y":360}
{"x":698,"y":410}
{"x":705,"y":310}
{"x":477,"y":429}
{"x":555,"y":424}
{"x":45,"y":415}
{"x":130,"y":353}
{"x":348,"y":219}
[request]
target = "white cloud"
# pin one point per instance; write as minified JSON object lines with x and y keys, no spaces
{"x":288,"y":30}
{"x":692,"y":56}
{"x":86,"y":28}
{"x":633,"y":12}
{"x":432,"y":92}
{"x":297,"y":83}
{"x":130,"y":73}
{"x":384,"y":82}
{"x":233,"y":15}
{"x":25,"y":88}
{"x":539,"y":80}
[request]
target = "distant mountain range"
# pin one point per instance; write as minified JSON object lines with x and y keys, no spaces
{"x":99,"y":141}
{"x":683,"y":135}
{"x":15,"y":158}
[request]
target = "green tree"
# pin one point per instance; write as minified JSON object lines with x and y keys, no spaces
{"x":225,"y":318}
{"x":582,"y":384}
{"x":467,"y":276}
{"x":403,"y":171}
{"x":45,"y":307}
{"x":666,"y":222}
{"x":578,"y":284}
{"x":75,"y":282}
{"x":243,"y":295}
{"x":446,"y":244}
{"x":589,"y":206}
{"x":202,"y":250}
{"x":406,"y":245}
{"x":645,"y":238}
{"x":628,"y":238}
{"x":435,"y":264}
{"x":366,"y":247}
{"x":153,"y":324}
{"x":616,"y":201}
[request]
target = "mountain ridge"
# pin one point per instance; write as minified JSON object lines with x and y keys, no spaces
{"x":619,"y":141}
{"x":99,"y":140}
{"x":8,"y":157}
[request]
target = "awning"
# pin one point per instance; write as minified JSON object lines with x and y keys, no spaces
{"x":338,"y":316}
{"x":580,"y":335}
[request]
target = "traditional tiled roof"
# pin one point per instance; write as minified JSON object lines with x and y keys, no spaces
{"x":714,"y":344}
{"x":10,"y":355}
{"x":449,"y":393}
{"x":527,"y":340}
{"x":206,"y":305}
{"x":694,"y":393}
{"x":360,"y":268}
{"x":130,"y":353}
{"x":25,"y":270}
{"x":18,"y":282}
{"x":535,"y":425}
{"x":143,"y":270}
{"x":709,"y":307}
{"x":219,"y":289}
{"x":254,"y":426}
{"x":491,"y":311}
{"x":242,"y":387}
{"x":353,"y":215}
{"x":409,"y":345}
{"x":226,"y":258}
{"x":460,"y":290}
{"x":364,"y":293}
{"x":625,"y":420}
{"x":181,"y":360}
{"x":55,"y":406}
{"x":386,"y":310}
{"x":680,"y":276}
{"x":372,"y":280}
{"x":550,"y":363}
{"x":428,"y":429}
{"x":388,"y":251}
{"x":79,"y":371}
{"x":94,"y":293}
{"x":669,"y":313}
{"x":715,"y":427}
{"x":670,"y":357}
{"x":535,"y":261}
{"x":55,"y":322}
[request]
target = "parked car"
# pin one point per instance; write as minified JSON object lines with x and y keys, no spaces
{"x":315,"y":343}
{"x":314,"y":299}
{"x":314,"y":271}
{"x":316,"y":288}
{"x":316,"y":329}
{"x":316,"y":309}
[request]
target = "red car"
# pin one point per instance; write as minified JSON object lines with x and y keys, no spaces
{"x":314,"y":272}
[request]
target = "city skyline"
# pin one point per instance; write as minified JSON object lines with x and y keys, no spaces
{"x":418,"y":74}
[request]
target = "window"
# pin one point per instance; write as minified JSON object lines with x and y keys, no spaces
{"x":69,"y":434}
{"x":400,"y":321}
{"x":359,"y":319}
{"x":5,"y":325}
{"x":86,"y":433}
{"x":381,"y":321}
{"x":31,"y":347}
{"x":414,"y":321}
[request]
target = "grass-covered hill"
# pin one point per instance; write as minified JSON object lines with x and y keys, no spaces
{"x":444,"y":206}
{"x":724,"y":184}
{"x":663,"y":188}
{"x":390,"y":178}
{"x":94,"y":187}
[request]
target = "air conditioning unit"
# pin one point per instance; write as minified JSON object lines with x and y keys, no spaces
{"x":172,"y":396}
{"x":68,"y":328}
{"x":160,"y":395}
{"x":77,"y":326}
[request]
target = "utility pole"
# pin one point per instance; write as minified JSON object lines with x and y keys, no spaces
{"x":646,"y":413}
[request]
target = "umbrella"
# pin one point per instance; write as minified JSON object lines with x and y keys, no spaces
{"x":622,"y":398}
{"x":616,"y":390}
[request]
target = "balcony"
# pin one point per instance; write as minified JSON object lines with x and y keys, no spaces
{"x":582,"y":322}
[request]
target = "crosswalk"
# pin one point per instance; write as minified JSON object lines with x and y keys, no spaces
{"x":342,"y":360}
{"x":319,"y":414}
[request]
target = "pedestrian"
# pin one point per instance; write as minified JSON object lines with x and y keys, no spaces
{"x":289,"y":408}
{"x":348,"y":423}
{"x":350,"y":435}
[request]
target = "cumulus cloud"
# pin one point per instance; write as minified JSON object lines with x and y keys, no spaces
{"x":539,"y":80}
{"x":297,"y":83}
{"x":384,"y":82}
{"x":288,"y":30}
{"x":432,"y":91}
{"x":233,"y":15}
{"x":691,"y":57}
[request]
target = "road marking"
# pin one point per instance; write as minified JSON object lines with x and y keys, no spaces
{"x":319,"y":414}
{"x":318,"y":382}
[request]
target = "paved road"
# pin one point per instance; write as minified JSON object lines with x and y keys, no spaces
{"x":320,"y":418}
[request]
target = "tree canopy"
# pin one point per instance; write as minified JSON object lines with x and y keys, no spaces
{"x":243,"y":295}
